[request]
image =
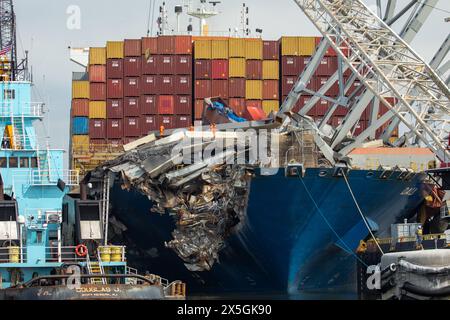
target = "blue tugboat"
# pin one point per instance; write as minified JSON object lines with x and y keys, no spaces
{"x":52,"y":246}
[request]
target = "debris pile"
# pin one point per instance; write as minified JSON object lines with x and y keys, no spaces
{"x":207,"y":198}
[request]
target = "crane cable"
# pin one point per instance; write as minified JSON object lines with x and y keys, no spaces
{"x":360,"y":212}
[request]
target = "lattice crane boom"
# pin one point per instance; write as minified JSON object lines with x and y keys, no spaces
{"x":387,"y":67}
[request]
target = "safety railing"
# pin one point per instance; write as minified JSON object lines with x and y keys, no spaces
{"x":32,"y":109}
{"x":51,"y":177}
{"x":68,"y":255}
{"x":13,"y":255}
{"x":427,"y":237}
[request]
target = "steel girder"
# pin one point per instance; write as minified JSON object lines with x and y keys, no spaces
{"x":386,"y":66}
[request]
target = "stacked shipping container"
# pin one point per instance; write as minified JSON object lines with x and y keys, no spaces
{"x":243,"y":72}
{"x":166,"y":99}
{"x":137,"y":86}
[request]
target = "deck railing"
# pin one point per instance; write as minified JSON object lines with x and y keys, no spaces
{"x":50,"y":177}
{"x":32,"y":109}
{"x":13,"y":255}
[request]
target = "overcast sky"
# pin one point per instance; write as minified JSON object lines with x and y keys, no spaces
{"x":42,"y":29}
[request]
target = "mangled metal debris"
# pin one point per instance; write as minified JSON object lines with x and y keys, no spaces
{"x":196,"y":178}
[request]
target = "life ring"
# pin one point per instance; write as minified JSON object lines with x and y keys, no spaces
{"x":81,"y":250}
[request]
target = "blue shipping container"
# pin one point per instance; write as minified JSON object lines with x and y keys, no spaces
{"x":80,"y":125}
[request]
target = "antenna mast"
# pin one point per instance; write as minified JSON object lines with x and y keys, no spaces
{"x":10,"y":68}
{"x":203,"y":13}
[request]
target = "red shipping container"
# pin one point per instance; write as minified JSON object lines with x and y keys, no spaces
{"x":149,"y":46}
{"x":183,"y":44}
{"x":202,"y":89}
{"x":182,"y":85}
{"x":132,"y":87}
{"x":271,"y":90}
{"x":288,"y":83}
{"x":356,"y":86}
{"x":301,"y":103}
{"x":332,"y":92}
{"x":238,"y":105}
{"x":114,"y":68}
{"x":183,"y":65}
{"x":291,"y":66}
{"x":166,"y":64}
{"x":219,"y":88}
{"x":330,"y":52}
{"x":132,"y":66}
{"x":149,"y":84}
{"x":115,"y":143}
{"x":271,"y":50}
{"x":115,"y":88}
{"x":236,"y":88}
{"x":219,"y":69}
{"x":322,"y":107}
{"x":254,"y":112}
{"x":254,"y":69}
{"x":149,"y":65}
{"x":131,"y":107}
{"x":97,"y":91}
{"x":97,"y":73}
{"x":114,"y":128}
{"x":165,"y":84}
{"x":114,"y":108}
{"x":148,"y":124}
{"x":202,"y":69}
{"x":168,"y":122}
{"x":183,"y":121}
{"x":327,"y":67}
{"x":97,"y":128}
{"x":253,"y":103}
{"x":166,"y":104}
{"x":166,"y":45}
{"x":148,"y":105}
{"x":183,"y":105}
{"x":131,"y":127}
{"x":80,"y":108}
{"x":198,"y":109}
{"x":132,"y":47}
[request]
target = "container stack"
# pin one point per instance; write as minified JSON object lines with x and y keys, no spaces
{"x":295,"y":54}
{"x":243,"y":72}
{"x":271,"y":77}
{"x":166,"y":83}
{"x":97,"y":102}
{"x":115,"y":92}
{"x":80,"y":113}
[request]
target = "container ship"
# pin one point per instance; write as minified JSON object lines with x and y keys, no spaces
{"x":296,"y":234}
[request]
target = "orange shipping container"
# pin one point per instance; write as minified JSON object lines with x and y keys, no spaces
{"x":97,"y":73}
{"x":183,"y":45}
{"x":149,"y":46}
{"x":80,"y":108}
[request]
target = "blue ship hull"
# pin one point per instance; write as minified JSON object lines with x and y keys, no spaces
{"x":299,"y":234}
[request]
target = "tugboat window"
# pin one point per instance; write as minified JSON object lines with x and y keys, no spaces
{"x":34,"y":162}
{"x":9,"y":94}
{"x":38,"y":236}
{"x":3,"y":162}
{"x":24,"y":162}
{"x":13,"y":162}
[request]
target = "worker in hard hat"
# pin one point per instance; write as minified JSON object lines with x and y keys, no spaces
{"x":419,"y":238}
